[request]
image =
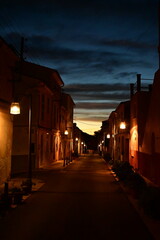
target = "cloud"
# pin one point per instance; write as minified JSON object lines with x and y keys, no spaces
{"x":99,"y":114}
{"x":72,"y":62}
{"x":85,"y":61}
{"x":42,"y":40}
{"x":92,"y":112}
{"x":97,"y":87}
{"x":127,"y":44}
{"x":95,"y":105}
{"x":125,"y":75}
{"x":96,"y":92}
{"x":100,"y":96}
{"x":93,"y":118}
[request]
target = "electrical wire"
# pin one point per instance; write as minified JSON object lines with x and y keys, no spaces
{"x":9,"y":25}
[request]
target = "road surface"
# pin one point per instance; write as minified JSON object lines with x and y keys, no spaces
{"x":80,"y":202}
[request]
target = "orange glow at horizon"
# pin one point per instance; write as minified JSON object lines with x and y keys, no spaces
{"x":89,"y":126}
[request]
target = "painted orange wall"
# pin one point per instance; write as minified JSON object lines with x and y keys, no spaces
{"x":8,"y":61}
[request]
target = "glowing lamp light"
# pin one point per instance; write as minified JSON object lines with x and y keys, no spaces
{"x":108,"y":135}
{"x":76,"y":139}
{"x":66,"y":132}
{"x":15,"y":108}
{"x":122,"y":125}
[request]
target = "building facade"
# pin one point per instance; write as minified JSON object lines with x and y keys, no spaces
{"x":43,"y":86}
{"x":8,"y":59}
{"x":149,"y":155}
{"x":119,"y":126}
{"x":139,"y":111}
{"x":66,"y":128}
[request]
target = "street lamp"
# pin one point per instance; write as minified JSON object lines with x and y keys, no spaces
{"x":82,"y":143}
{"x":122,"y":125}
{"x":15,"y":109}
{"x":108,"y":136}
{"x":85,"y":148}
{"x":76,"y":146}
{"x":66,"y":132}
{"x":65,"y":142}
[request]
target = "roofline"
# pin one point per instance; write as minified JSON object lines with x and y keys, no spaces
{"x":11,"y":47}
{"x":61,"y":83}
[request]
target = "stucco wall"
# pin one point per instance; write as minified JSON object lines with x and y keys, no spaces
{"x":5,"y":144}
{"x":151,"y":140}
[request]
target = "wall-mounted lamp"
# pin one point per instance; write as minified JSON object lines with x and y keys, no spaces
{"x":66,"y":132}
{"x":76,"y":139}
{"x":108,"y":135}
{"x":65,"y":143}
{"x":15,"y":108}
{"x":122,"y":125}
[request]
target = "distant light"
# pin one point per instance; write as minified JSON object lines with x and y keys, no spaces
{"x":15,"y":108}
{"x":76,"y":139}
{"x":102,"y":141}
{"x":66,"y":132}
{"x":82,"y":143}
{"x":108,"y":135}
{"x":122,"y":125}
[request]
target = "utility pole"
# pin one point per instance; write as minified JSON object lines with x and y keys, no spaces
{"x":159,"y":32}
{"x":22,"y":49}
{"x":18,"y":70}
{"x":21,"y":58}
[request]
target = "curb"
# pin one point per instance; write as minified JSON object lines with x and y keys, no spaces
{"x":152,"y":224}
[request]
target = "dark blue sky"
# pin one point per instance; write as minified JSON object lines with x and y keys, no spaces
{"x":98,"y":47}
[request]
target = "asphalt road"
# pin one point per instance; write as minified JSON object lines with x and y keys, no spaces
{"x":79,"y":202}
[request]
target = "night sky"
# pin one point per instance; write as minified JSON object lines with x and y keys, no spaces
{"x":97,"y":46}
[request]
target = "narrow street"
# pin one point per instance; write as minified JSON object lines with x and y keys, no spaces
{"x":82,"y":201}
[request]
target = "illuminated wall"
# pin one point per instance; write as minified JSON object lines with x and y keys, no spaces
{"x":150,"y":149}
{"x":8,"y":59}
{"x":134,"y":146}
{"x":5,"y":144}
{"x":138,"y":115}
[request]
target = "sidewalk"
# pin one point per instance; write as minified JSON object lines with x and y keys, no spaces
{"x":15,"y":182}
{"x":152,"y":224}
